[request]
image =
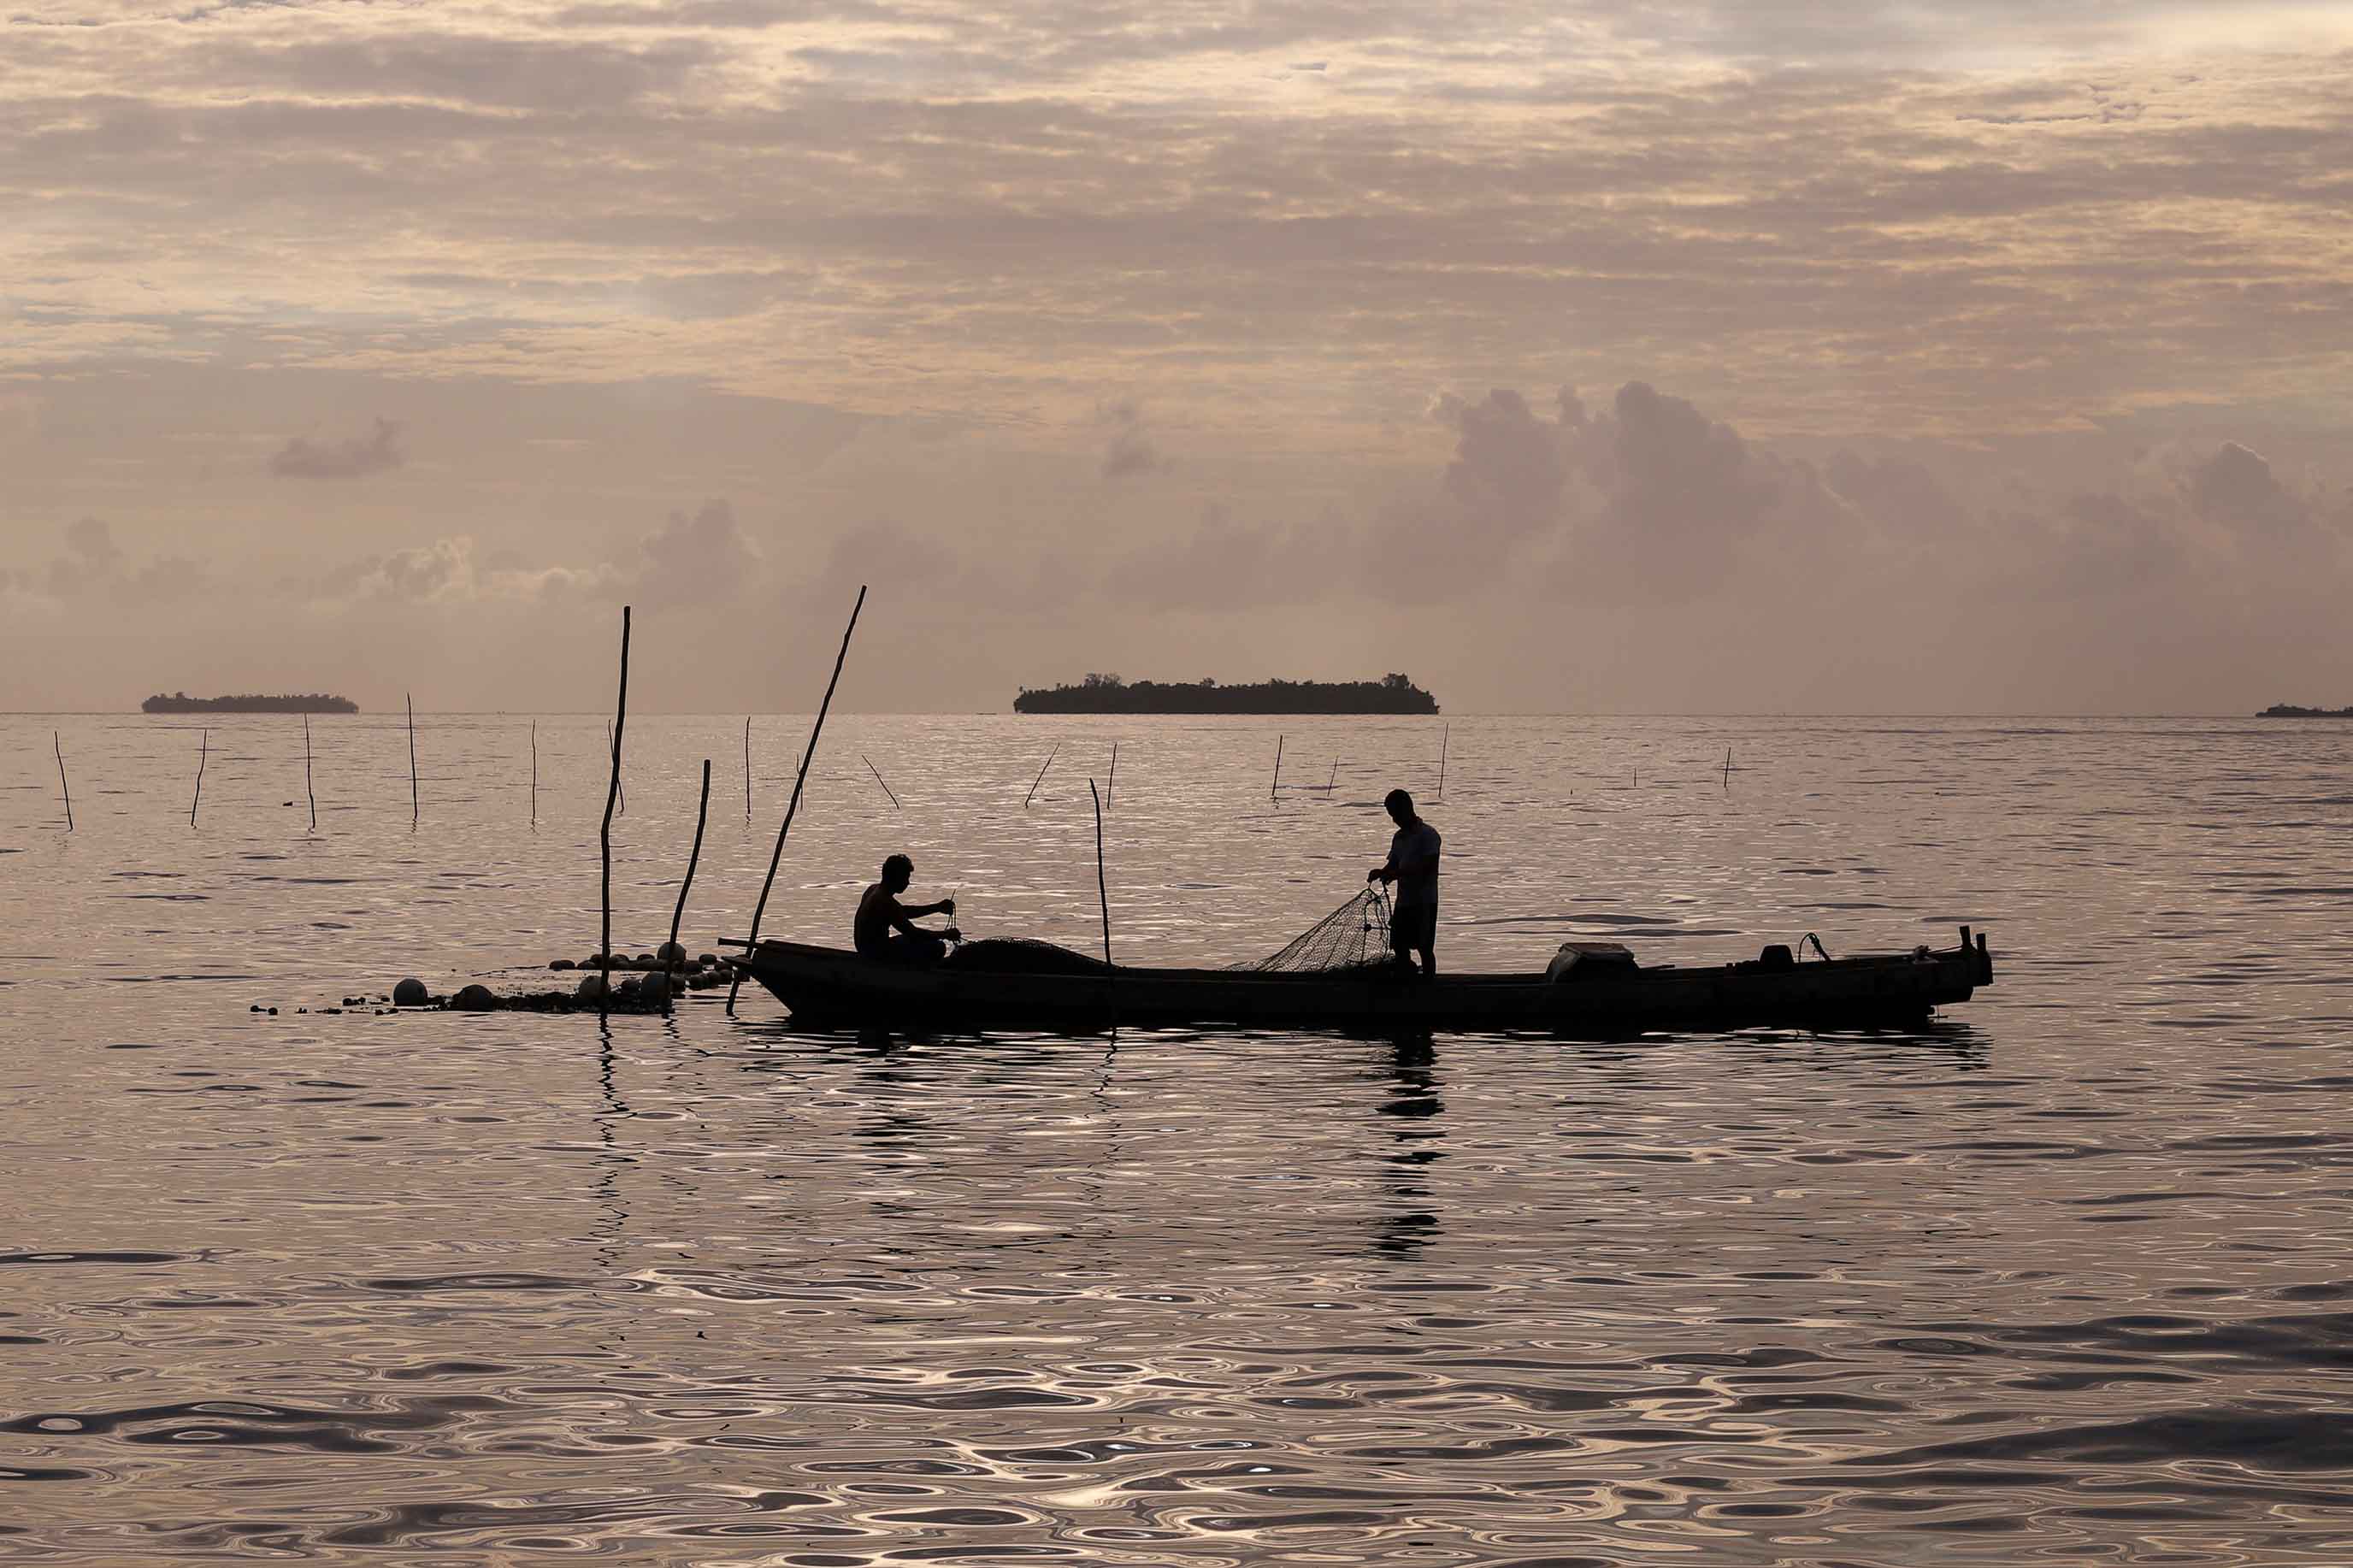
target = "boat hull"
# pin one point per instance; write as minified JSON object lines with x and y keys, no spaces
{"x":830,"y":985}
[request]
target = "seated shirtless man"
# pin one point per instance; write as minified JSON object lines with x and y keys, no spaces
{"x":885,"y":928}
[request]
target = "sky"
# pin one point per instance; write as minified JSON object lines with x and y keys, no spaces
{"x":1567,"y":355}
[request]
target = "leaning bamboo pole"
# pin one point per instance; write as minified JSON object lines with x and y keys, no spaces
{"x":752,"y":944}
{"x":1102,"y":892}
{"x":203,"y":750}
{"x":60,"y":747}
{"x":308,"y":789}
{"x":1041,"y":775}
{"x":605,"y":834}
{"x":694,"y":855}
{"x":879,"y":778}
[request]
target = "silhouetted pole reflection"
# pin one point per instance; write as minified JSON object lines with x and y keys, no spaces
{"x":1411,"y":1224}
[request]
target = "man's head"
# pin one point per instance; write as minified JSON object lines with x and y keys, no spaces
{"x":1400,"y":805}
{"x":897,"y":872}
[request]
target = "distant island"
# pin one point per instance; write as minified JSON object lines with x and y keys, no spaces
{"x":311,"y":702}
{"x":2290,"y":710}
{"x":1110,"y":694}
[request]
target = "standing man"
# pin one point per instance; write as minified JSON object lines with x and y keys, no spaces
{"x":1412,"y":865}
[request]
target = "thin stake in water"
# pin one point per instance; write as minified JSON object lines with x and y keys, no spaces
{"x":702,"y":815}
{"x":878,"y":779}
{"x":307,"y":787}
{"x":60,"y":746}
{"x":1113,"y":779}
{"x":203,"y":750}
{"x":747,"y":769}
{"x":605,"y":834}
{"x":1041,"y":776}
{"x":1727,"y":767}
{"x":534,"y":772}
{"x":1102,"y":891}
{"x":613,"y":742}
{"x":751,"y":945}
{"x":1334,"y":782}
{"x":414,"y":809}
{"x":1443,"y":736}
{"x":1277,"y":785}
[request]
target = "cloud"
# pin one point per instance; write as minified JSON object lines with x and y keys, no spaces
{"x":354,"y":457}
{"x":1226,"y":566}
{"x":700,"y":556}
{"x":441,"y":569}
{"x":1131,"y":451}
{"x":90,"y":559}
{"x":2236,"y":488}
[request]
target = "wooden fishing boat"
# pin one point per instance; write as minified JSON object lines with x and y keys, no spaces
{"x":1591,"y":988}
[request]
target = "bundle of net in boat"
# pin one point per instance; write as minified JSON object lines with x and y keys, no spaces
{"x":1020,"y":956}
{"x":1353,"y":936}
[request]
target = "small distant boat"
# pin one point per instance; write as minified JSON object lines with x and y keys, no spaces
{"x":1591,"y":988}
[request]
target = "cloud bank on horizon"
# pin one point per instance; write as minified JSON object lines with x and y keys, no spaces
{"x":1695,"y":356}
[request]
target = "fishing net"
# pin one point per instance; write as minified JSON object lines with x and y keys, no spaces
{"x":1020,"y":956}
{"x":1354,"y":936}
{"x":1351,"y":937}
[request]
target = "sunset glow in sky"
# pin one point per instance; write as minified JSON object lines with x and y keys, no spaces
{"x":1978,"y":355}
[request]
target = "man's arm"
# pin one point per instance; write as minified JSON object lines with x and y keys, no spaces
{"x":905,"y":917}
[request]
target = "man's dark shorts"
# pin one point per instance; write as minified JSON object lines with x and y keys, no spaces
{"x":1413,"y":931}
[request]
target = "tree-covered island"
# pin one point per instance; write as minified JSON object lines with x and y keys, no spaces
{"x":1110,"y":694}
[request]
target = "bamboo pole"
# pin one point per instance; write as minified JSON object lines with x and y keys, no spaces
{"x":203,"y":750}
{"x":1041,"y":775}
{"x":751,"y":945}
{"x":414,"y":809}
{"x":60,"y":746}
{"x":1110,"y":782}
{"x":1334,"y":782}
{"x":702,"y":815}
{"x":1277,"y":785}
{"x":605,"y":834}
{"x":1727,"y":767}
{"x":615,"y":744}
{"x":534,"y":772}
{"x":308,"y":788}
{"x":747,"y":768}
{"x":878,"y":779}
{"x":1102,"y":892}
{"x":1443,"y":736}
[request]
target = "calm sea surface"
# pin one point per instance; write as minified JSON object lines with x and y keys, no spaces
{"x":2064,"y":1278}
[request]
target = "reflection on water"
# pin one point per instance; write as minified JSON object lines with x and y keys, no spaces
{"x":2059,"y":1279}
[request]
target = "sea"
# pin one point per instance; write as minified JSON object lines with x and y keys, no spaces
{"x":2060,"y":1277}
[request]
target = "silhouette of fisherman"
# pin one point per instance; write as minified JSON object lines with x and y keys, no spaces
{"x":1412,"y":865}
{"x":885,"y":928}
